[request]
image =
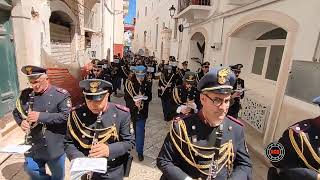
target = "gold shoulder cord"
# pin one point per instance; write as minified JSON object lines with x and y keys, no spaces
{"x":124,"y":71}
{"x":20,"y":109}
{"x":23,"y":114}
{"x":176,"y":97}
{"x":127,"y":87}
{"x":78,"y":122}
{"x":226,"y":150}
{"x":197,"y":77}
{"x":112,"y":132}
{"x":303,"y":139}
{"x":130,"y":89}
{"x":163,"y":80}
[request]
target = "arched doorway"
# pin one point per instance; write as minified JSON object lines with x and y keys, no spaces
{"x":61,"y":37}
{"x":263,"y":42}
{"x":197,"y":50}
{"x":259,"y":47}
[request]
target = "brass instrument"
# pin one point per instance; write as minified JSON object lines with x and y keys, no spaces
{"x":214,"y":167}
{"x":95,"y":139}
{"x":28,"y":133}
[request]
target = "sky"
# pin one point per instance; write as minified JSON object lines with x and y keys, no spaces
{"x":132,"y":12}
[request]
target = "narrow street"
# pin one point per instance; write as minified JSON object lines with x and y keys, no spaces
{"x":156,"y":130}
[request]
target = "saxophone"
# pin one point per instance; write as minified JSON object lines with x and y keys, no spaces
{"x":95,"y":139}
{"x":28,"y":132}
{"x":214,"y":167}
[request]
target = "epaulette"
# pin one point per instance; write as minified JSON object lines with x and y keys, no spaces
{"x":24,"y":95}
{"x":235,"y":120}
{"x":77,"y":106}
{"x":123,"y":108}
{"x":63,"y":91}
{"x":300,"y":127}
{"x":177,"y":118}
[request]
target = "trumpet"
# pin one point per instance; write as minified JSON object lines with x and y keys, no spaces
{"x":28,"y":132}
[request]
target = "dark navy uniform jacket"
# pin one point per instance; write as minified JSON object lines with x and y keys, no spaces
{"x":54,"y":105}
{"x":294,"y":164}
{"x":236,"y":106}
{"x":199,"y":75}
{"x":174,"y":165}
{"x":163,"y":81}
{"x":180,"y":96}
{"x":115,"y":123}
{"x":132,"y":88}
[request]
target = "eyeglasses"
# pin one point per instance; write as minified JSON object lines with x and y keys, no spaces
{"x":217,"y":101}
{"x":96,"y":70}
{"x":205,"y":66}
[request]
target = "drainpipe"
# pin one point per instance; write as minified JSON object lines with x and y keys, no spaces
{"x":102,"y":30}
{"x":113,"y":29}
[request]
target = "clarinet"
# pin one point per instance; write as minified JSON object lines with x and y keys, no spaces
{"x":28,"y":132}
{"x":96,"y":132}
{"x":214,"y":167}
{"x":95,"y":139}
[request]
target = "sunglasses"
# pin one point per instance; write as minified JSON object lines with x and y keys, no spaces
{"x":205,"y":66}
{"x":218,"y":101}
{"x":96,"y":70}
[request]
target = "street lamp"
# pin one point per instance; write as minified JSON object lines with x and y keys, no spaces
{"x":172,"y":10}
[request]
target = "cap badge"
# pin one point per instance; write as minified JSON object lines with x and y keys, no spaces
{"x":29,"y":70}
{"x":222,"y":75}
{"x":94,"y":86}
{"x":190,"y":78}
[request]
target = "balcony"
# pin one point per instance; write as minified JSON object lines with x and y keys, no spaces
{"x":193,"y":10}
{"x":125,"y":4}
{"x":240,"y":2}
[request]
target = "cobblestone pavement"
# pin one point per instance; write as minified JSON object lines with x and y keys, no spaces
{"x":156,"y":130}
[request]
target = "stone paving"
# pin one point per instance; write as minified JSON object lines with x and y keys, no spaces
{"x":156,"y":130}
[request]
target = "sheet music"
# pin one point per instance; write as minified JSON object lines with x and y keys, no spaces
{"x":14,"y":148}
{"x":81,"y":166}
{"x":150,"y":69}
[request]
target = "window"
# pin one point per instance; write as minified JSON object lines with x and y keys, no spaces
{"x":268,"y":51}
{"x":274,"y":62}
{"x":157,"y":29}
{"x":258,"y":60}
{"x":146,"y":11}
{"x":144,"y":38}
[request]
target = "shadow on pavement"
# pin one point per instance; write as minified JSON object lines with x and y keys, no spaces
{"x":13,"y":171}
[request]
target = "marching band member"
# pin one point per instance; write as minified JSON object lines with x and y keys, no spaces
{"x":114,"y":140}
{"x":138,"y":94}
{"x":208,"y":144}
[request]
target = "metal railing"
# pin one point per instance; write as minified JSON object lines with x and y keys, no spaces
{"x":183,"y":4}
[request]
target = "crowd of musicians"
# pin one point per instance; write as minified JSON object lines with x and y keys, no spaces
{"x":205,"y":139}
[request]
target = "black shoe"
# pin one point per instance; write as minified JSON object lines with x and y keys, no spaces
{"x":140,"y":157}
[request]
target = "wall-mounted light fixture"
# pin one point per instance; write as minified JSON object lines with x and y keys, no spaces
{"x":172,"y":11}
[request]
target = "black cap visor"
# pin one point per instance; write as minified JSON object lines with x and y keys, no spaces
{"x":95,"y":97}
